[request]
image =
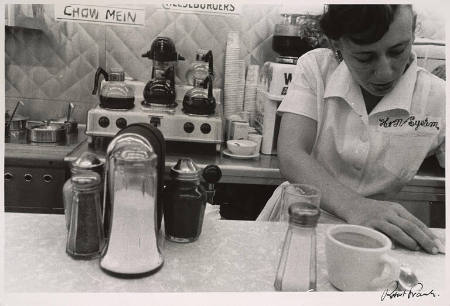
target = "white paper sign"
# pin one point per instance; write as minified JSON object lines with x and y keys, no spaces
{"x":202,"y":7}
{"x":130,"y":16}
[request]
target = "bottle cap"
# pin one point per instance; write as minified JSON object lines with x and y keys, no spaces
{"x":185,"y":170}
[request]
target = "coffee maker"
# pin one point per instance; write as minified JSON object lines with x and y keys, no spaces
{"x":134,"y":172}
{"x":160,"y":90}
{"x":295,"y":34}
{"x":200,"y":99}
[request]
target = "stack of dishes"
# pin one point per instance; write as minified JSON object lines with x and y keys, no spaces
{"x":251,"y":83}
{"x":234,"y":82}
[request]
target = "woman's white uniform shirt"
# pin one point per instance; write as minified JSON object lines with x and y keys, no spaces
{"x":374,"y":154}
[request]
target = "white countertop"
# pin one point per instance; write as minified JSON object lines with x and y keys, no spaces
{"x":229,"y":256}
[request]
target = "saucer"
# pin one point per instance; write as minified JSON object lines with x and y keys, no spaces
{"x":228,"y":153}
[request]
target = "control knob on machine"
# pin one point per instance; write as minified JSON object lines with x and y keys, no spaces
{"x":103,"y":122}
{"x":205,"y":128}
{"x":121,"y":123}
{"x":188,"y":127}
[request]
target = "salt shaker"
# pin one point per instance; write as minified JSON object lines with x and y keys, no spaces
{"x":85,"y":238}
{"x":297,"y":267}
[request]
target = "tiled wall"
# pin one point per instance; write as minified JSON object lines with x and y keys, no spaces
{"x":50,"y":67}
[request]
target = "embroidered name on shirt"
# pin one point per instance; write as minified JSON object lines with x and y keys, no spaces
{"x":411,"y":121}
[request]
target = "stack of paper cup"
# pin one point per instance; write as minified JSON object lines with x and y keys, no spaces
{"x":251,"y":83}
{"x":234,"y":83}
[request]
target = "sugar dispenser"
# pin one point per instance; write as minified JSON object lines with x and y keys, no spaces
{"x":133,"y":182}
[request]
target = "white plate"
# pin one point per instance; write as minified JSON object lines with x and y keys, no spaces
{"x":228,"y":153}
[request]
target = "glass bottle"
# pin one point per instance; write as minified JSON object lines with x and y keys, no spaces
{"x":87,"y":161}
{"x":184,"y":203}
{"x":85,"y":238}
{"x":297,"y":266}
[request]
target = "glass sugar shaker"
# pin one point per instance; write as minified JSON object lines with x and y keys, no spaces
{"x":85,"y":238}
{"x":86,"y":161}
{"x":297,"y":266}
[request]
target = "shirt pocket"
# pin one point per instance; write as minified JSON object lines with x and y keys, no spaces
{"x":405,"y":153}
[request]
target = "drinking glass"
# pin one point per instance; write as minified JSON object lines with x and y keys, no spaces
{"x":307,"y":195}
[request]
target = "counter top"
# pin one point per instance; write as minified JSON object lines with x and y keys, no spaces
{"x":229,"y":256}
{"x":265,"y":170}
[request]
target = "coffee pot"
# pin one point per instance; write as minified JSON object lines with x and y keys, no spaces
{"x":200,"y":100}
{"x":115,"y":93}
{"x":160,"y":90}
{"x":133,"y":201}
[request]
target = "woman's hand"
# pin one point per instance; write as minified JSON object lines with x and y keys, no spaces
{"x":396,"y":222}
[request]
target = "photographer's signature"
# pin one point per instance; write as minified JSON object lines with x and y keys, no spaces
{"x":394,"y":291}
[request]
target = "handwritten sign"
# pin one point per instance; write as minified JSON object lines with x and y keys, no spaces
{"x":201,"y":7}
{"x":130,"y":16}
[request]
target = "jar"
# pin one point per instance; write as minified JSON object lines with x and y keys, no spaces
{"x":85,"y":238}
{"x":184,"y":203}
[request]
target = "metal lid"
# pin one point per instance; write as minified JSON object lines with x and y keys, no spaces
{"x":116,"y":74}
{"x":87,"y":180}
{"x":304,"y":214}
{"x":185,"y":170}
{"x":87,"y":161}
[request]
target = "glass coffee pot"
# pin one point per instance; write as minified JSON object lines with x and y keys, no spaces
{"x":200,"y":100}
{"x":160,"y":90}
{"x":115,"y":93}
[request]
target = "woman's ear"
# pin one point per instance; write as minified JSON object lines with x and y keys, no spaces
{"x":336,"y":47}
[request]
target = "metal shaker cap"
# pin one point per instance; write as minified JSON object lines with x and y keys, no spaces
{"x":304,"y":214}
{"x":185,"y":170}
{"x":87,"y":161}
{"x":116,"y":74}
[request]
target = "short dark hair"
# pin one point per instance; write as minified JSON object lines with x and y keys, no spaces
{"x":362,"y":24}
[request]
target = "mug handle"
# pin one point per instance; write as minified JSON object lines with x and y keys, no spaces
{"x":390,"y":272}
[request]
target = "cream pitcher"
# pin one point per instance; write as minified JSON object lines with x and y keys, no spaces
{"x":133,"y":211}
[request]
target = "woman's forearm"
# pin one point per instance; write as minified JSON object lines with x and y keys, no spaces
{"x":301,"y":167}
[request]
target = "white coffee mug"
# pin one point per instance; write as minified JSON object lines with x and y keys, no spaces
{"x":353,"y":265}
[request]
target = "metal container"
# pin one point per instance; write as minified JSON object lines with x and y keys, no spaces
{"x":46,"y":132}
{"x":17,"y":123}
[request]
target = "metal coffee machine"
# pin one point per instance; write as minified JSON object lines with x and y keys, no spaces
{"x":133,"y":202}
{"x":159,"y":102}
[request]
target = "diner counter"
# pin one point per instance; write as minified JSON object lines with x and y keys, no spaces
{"x":428,"y":184}
{"x":229,"y":256}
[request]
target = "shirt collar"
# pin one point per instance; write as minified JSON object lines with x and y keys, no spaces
{"x":341,"y":84}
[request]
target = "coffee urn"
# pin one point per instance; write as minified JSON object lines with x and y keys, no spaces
{"x":133,"y":202}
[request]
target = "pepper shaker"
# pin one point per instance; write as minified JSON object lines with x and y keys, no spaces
{"x":85,"y":238}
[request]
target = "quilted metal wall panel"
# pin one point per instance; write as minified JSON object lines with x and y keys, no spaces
{"x":50,"y":67}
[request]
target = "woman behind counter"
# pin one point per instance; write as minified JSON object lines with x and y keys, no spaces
{"x":358,"y":122}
